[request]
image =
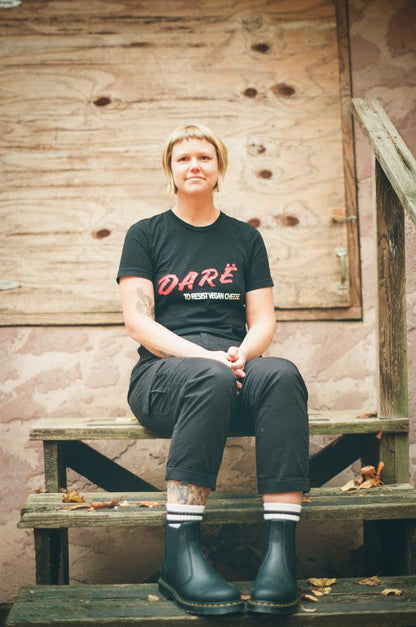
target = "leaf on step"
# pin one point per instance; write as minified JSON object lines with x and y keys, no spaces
{"x":350,"y":485}
{"x":306,"y":498}
{"x":317,"y":592}
{"x":369,"y":478}
{"x":368,"y":471}
{"x":76,"y":506}
{"x":245,"y":597}
{"x":321,"y":582}
{"x":104,"y":504}
{"x":371,"y":414}
{"x":369,"y":483}
{"x":124,"y":504}
{"x":379,"y":469}
{"x":310,"y":597}
{"x":39,"y":490}
{"x":320,"y":592}
{"x":370,"y":581}
{"x":372,"y":478}
{"x":308,"y":609}
{"x":391,"y":592}
{"x":148,"y":504}
{"x":72,"y":497}
{"x":152,"y":597}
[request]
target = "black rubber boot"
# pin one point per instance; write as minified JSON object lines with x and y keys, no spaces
{"x":189,"y":579}
{"x":275,"y":589}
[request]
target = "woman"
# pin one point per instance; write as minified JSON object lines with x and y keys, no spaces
{"x":196,"y":292}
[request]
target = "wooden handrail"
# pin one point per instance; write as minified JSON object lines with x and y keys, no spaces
{"x":395,"y":188}
{"x":391,"y":152}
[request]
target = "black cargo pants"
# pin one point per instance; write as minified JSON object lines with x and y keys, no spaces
{"x":195,"y":402}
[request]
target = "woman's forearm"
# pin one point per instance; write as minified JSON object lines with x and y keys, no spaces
{"x":258,"y":339}
{"x":261,"y":323}
{"x":161,"y":341}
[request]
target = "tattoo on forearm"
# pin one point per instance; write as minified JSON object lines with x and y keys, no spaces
{"x":162,"y":353}
{"x":144,"y":303}
{"x":186,"y":493}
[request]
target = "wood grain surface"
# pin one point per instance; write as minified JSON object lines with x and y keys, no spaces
{"x":90,"y":92}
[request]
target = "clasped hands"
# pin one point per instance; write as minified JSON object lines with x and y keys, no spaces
{"x":235,"y":359}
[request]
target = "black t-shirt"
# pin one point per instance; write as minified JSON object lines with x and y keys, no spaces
{"x":200,"y":274}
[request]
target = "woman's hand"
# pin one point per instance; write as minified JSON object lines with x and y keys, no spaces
{"x":237,"y":358}
{"x":233,"y":361}
{"x":238,"y":361}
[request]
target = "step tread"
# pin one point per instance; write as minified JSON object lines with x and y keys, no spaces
{"x":129,"y":604}
{"x":127,"y":427}
{"x":47,"y":511}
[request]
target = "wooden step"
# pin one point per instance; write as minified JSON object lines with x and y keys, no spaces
{"x":127,"y":427}
{"x":347,"y":605}
{"x":47,"y":511}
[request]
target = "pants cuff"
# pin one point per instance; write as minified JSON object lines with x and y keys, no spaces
{"x":190,"y":476}
{"x":271,"y":486}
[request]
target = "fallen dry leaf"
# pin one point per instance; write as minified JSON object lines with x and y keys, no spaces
{"x":245,"y":597}
{"x":321,"y":582}
{"x":76,"y":506}
{"x":368,"y":471}
{"x":310,"y":597}
{"x":379,"y":469}
{"x":152,"y":597}
{"x":369,"y":483}
{"x":306,"y":499}
{"x":369,"y":478}
{"x":320,"y":592}
{"x":104,"y":504}
{"x":391,"y":592}
{"x":308,"y":609}
{"x":124,"y":504}
{"x":148,"y":504}
{"x":350,"y":485}
{"x":72,"y":497}
{"x":317,"y":592}
{"x":370,"y":581}
{"x":39,"y":490}
{"x":371,"y":414}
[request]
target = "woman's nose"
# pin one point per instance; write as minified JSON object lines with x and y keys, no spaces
{"x":194,"y":163}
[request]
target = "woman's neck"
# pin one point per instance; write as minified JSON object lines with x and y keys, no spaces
{"x":196,"y":211}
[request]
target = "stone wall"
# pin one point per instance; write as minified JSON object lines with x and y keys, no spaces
{"x":61,"y":371}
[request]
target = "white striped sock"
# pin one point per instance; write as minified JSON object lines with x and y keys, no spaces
{"x":177,"y":513}
{"x":282,"y":511}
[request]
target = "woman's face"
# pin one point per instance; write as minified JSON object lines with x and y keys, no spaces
{"x":194,"y":166}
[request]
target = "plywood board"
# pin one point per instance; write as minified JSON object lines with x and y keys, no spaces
{"x":89,"y":92}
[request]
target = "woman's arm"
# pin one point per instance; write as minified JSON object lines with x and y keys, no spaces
{"x":261,"y":325}
{"x":138,"y":302}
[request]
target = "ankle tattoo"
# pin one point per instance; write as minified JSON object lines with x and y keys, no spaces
{"x":186,"y":493}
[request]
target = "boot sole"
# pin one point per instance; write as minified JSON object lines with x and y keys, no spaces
{"x":268,"y":607}
{"x":195,"y":607}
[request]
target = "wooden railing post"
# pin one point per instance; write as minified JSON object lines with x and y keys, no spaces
{"x":392,"y":328}
{"x":388,"y":544}
{"x":395,"y":174}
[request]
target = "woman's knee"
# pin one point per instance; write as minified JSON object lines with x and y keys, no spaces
{"x":291,"y":379}
{"x":281,"y":375}
{"x":277,"y":366}
{"x":214,"y":373}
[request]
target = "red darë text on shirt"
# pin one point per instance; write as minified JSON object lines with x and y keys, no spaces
{"x":210,"y":277}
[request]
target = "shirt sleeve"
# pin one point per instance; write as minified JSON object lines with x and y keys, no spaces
{"x":135,"y":257}
{"x":259,"y":269}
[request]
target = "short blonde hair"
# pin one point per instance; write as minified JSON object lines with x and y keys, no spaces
{"x":194,"y":131}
